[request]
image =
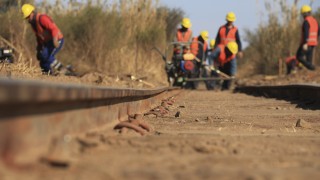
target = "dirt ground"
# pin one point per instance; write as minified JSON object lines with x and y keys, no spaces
{"x":219,"y":135}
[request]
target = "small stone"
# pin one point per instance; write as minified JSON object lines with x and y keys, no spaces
{"x":178,"y":114}
{"x":151,"y":115}
{"x":208,"y":118}
{"x":54,"y":162}
{"x":197,"y":120}
{"x":138,"y":116}
{"x":88,"y":142}
{"x":182,"y":106}
{"x":302,"y":123}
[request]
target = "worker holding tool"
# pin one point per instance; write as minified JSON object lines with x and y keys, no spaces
{"x":292,"y":63}
{"x":225,"y":58}
{"x":309,"y":38}
{"x":49,"y":39}
{"x":199,"y":47}
{"x":208,"y":72}
{"x":182,"y":38}
{"x":183,"y":35}
{"x":229,"y":32}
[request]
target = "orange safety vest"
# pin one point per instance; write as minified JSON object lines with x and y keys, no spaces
{"x":195,"y":46}
{"x":313,"y":31}
{"x":223,"y":57}
{"x":225,"y":38}
{"x":44,"y":35}
{"x":183,"y":36}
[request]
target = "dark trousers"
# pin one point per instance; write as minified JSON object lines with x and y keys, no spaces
{"x":46,"y":54}
{"x":230,"y":69}
{"x":305,"y":57}
{"x":291,"y":66}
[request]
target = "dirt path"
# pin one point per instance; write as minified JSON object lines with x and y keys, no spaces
{"x":219,"y":135}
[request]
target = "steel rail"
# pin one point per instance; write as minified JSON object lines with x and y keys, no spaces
{"x":209,"y":79}
{"x":33,"y":113}
{"x":295,"y":92}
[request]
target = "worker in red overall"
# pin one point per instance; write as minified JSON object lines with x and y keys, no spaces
{"x":224,"y":56}
{"x":292,"y":63}
{"x":49,"y":39}
{"x":309,"y":38}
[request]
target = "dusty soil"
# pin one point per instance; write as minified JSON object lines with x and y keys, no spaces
{"x":219,"y":135}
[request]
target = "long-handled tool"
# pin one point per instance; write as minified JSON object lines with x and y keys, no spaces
{"x":162,"y":55}
{"x":223,"y":76}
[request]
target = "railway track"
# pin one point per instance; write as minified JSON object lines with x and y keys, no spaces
{"x":34,"y":115}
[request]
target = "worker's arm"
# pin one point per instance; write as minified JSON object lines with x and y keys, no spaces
{"x":49,"y":25}
{"x":238,"y":40}
{"x":318,"y":31}
{"x":214,"y":55}
{"x":218,"y":38}
{"x":305,"y":29}
{"x":191,"y":35}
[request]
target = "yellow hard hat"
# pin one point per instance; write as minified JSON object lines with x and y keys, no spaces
{"x":233,"y":47}
{"x":27,"y":9}
{"x":186,"y":23}
{"x":212,"y":43}
{"x":305,"y":9}
{"x":205,"y":35}
{"x":231,"y":17}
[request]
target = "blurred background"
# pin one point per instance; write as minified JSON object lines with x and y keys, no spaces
{"x":116,"y":36}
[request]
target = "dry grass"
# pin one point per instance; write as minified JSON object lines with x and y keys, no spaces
{"x":275,"y":38}
{"x":110,"y":38}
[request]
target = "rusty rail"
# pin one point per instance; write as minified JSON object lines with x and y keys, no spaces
{"x":305,"y":95}
{"x":34,"y":113}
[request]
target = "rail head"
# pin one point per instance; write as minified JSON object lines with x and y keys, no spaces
{"x":17,"y":91}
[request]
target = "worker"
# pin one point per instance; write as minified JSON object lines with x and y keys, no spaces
{"x":49,"y":39}
{"x":228,"y":33}
{"x":207,"y":71}
{"x":199,"y":47}
{"x":224,"y":56}
{"x":309,"y":38}
{"x":183,"y":35}
{"x":292,"y":63}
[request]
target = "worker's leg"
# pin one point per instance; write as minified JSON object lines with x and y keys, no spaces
{"x":290,"y":67}
{"x":48,"y":62}
{"x":303,"y":57}
{"x":230,"y":69}
{"x":209,"y":84}
{"x":309,"y":56}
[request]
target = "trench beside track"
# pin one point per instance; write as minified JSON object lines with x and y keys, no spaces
{"x":304,"y":95}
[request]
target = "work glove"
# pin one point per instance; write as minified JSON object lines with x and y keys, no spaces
{"x":240,"y":54}
{"x":56,"y":42}
{"x":305,"y":47}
